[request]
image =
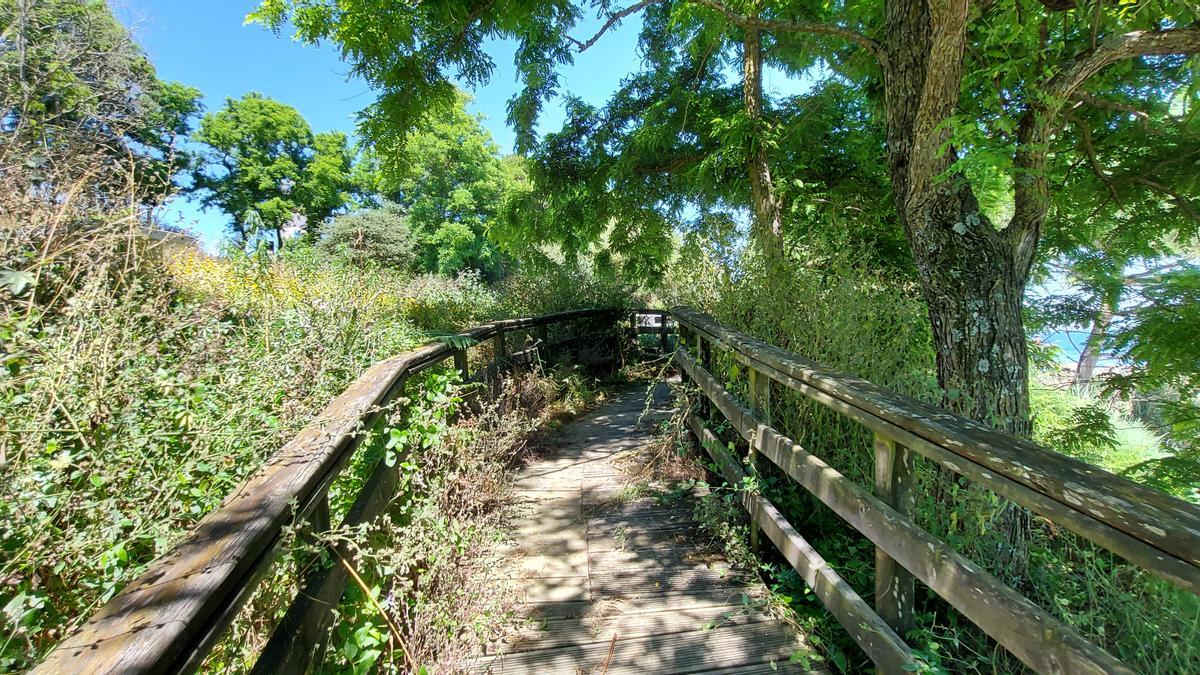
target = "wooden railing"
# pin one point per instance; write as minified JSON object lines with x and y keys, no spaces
{"x":1153,"y":530}
{"x":169,"y":618}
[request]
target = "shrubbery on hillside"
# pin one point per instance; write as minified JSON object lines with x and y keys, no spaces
{"x":142,"y":385}
{"x":156,"y":390}
{"x":380,"y":236}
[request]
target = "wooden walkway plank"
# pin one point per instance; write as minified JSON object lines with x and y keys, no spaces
{"x":621,"y":584}
{"x":753,"y":644}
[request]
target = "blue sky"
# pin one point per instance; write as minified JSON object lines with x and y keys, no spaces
{"x":207,"y":45}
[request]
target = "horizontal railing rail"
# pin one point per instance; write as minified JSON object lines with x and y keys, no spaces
{"x":1150,"y":529}
{"x":169,"y":618}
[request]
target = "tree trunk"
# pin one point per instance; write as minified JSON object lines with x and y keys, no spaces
{"x":1090,"y":355}
{"x":974,"y":287}
{"x":972,"y":275}
{"x":766,"y":228}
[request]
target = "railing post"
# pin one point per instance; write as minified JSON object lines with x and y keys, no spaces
{"x":499,"y":354}
{"x":297,"y":645}
{"x":464,"y":375}
{"x":664,"y":344}
{"x":498,"y":347}
{"x":760,"y":406}
{"x":682,"y":343}
{"x":318,"y":519}
{"x":616,"y":334}
{"x":460,"y":364}
{"x":894,"y":587}
{"x":704,"y":351}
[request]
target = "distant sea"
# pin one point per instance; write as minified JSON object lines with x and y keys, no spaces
{"x":1071,"y":342}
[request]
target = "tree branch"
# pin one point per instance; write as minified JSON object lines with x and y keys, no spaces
{"x":612,"y":21}
{"x":472,"y":18}
{"x":1058,"y":5}
{"x":1089,"y":149}
{"x":1105,"y":104}
{"x":938,"y":94}
{"x":1180,"y":201}
{"x":1117,"y":48}
{"x":795,"y":27}
{"x":1030,"y":188}
{"x":742,"y":21}
{"x":677,"y":164}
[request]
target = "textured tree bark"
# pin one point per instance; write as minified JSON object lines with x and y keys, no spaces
{"x":974,"y":290}
{"x":972,"y":275}
{"x":766,"y":226}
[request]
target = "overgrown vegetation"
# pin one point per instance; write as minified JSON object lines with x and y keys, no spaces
{"x":163,"y":381}
{"x":144,"y":379}
{"x":861,"y":323}
{"x":424,"y":596}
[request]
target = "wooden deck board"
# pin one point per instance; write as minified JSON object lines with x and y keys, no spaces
{"x":759,"y":643}
{"x":595,"y":565}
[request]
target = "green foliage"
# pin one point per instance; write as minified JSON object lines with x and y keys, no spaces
{"x":405,"y":52}
{"x":1089,"y":426}
{"x":79,"y":101}
{"x":448,"y":178}
{"x":543,"y":285}
{"x":138,"y":389}
{"x":841,"y":316}
{"x":429,"y":561}
{"x":134,"y":412}
{"x":449,"y":304}
{"x":670,"y":148}
{"x":1081,"y":424}
{"x":262,"y":157}
{"x":378,"y":235}
{"x":1160,"y":336}
{"x":1173,"y":475}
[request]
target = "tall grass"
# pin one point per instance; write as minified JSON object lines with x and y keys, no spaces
{"x":141,"y":384}
{"x":844,"y":316}
{"x":137,"y":399}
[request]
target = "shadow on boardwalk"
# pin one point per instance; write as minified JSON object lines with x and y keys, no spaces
{"x":613,"y":582}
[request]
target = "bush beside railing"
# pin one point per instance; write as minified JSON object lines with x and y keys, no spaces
{"x":169,"y":618}
{"x":1153,"y":530}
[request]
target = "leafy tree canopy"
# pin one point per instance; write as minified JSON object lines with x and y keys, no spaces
{"x":379,"y":235}
{"x":408,"y":51}
{"x":969,"y":116}
{"x":79,"y":97}
{"x":262,"y":157}
{"x":449,"y":179}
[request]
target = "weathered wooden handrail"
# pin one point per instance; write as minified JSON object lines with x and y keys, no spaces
{"x":169,"y":618}
{"x":1151,"y":529}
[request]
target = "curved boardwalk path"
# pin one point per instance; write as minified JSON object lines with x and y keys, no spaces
{"x":616,"y":582}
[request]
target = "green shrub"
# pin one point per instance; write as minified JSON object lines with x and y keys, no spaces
{"x":380,"y":236}
{"x":449,"y":304}
{"x":542,"y":287}
{"x":1080,"y":424}
{"x":843,"y":315}
{"x":151,"y":390}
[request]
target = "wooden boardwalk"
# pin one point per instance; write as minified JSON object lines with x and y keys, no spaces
{"x":616,"y":582}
